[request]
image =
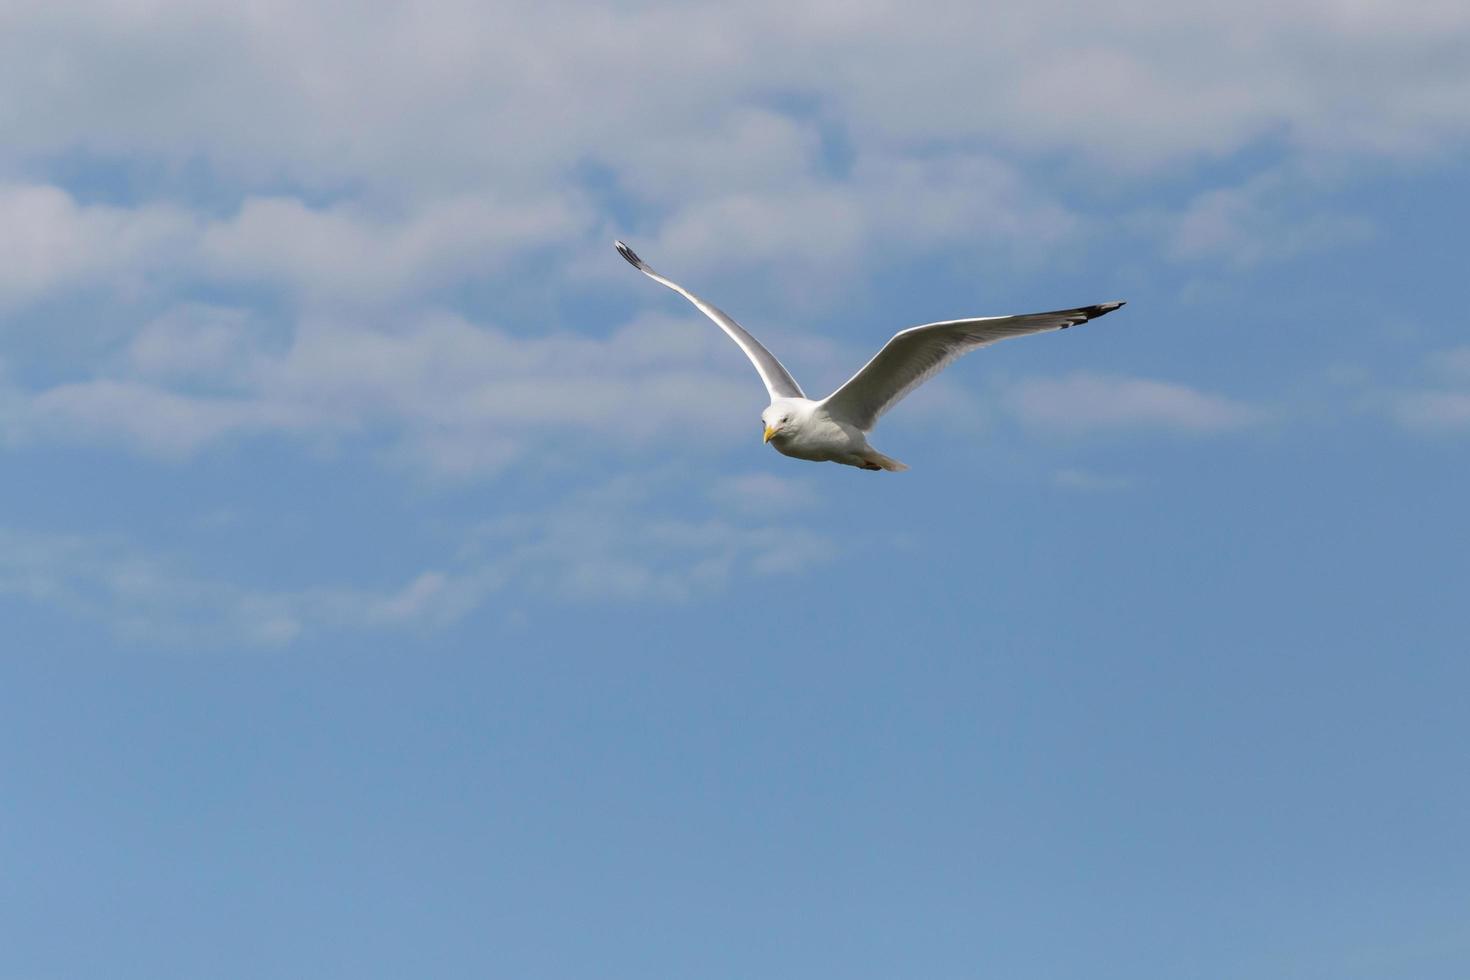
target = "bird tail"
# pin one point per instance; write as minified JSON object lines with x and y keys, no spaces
{"x":885,"y":462}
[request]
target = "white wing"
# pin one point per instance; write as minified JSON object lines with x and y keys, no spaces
{"x":915,"y":355}
{"x":779,"y":382}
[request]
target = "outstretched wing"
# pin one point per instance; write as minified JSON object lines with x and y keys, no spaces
{"x":915,"y":355}
{"x":779,"y":382}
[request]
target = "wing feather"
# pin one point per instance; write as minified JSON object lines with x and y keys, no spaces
{"x":915,"y":355}
{"x":779,"y":382}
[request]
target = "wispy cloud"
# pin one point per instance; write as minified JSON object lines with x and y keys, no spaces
{"x":464,"y":398}
{"x":1258,"y":221}
{"x":1083,"y":403}
{"x":763,"y":493}
{"x":136,"y":594}
{"x":1439,"y":404}
{"x":1434,"y":411}
{"x":614,"y":544}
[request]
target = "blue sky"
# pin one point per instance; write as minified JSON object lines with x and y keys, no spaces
{"x":394,"y":583}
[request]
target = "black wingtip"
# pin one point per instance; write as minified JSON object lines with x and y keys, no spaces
{"x":630,"y":255}
{"x":1084,"y":313}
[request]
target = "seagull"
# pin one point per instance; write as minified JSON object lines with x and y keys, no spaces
{"x":835,"y":429}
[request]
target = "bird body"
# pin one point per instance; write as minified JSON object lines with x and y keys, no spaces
{"x":804,"y":429}
{"x":835,"y":429}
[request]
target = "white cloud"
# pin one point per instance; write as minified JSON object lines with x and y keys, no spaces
{"x":1441,"y":407}
{"x":154,"y":420}
{"x":749,"y":148}
{"x":334,"y":93}
{"x":48,"y":242}
{"x":615,"y":543}
{"x":343,"y":251}
{"x":447,"y":398}
{"x":1082,"y":403}
{"x":366,"y":160}
{"x":445,"y":142}
{"x":358,"y":155}
{"x":818,"y":235}
{"x":137,"y":595}
{"x":457,"y":398}
{"x":1433,"y":411}
{"x":1257,"y":221}
{"x":762,"y":493}
{"x":610,"y":544}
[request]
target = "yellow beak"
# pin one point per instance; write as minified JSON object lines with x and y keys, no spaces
{"x":769,"y":432}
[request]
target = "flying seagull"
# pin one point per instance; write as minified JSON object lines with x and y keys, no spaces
{"x":835,"y":429}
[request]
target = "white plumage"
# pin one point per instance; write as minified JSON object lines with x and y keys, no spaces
{"x":835,"y":428}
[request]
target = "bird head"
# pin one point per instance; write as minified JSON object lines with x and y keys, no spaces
{"x":778,"y":419}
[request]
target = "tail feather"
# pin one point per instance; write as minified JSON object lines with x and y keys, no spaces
{"x":885,"y":462}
